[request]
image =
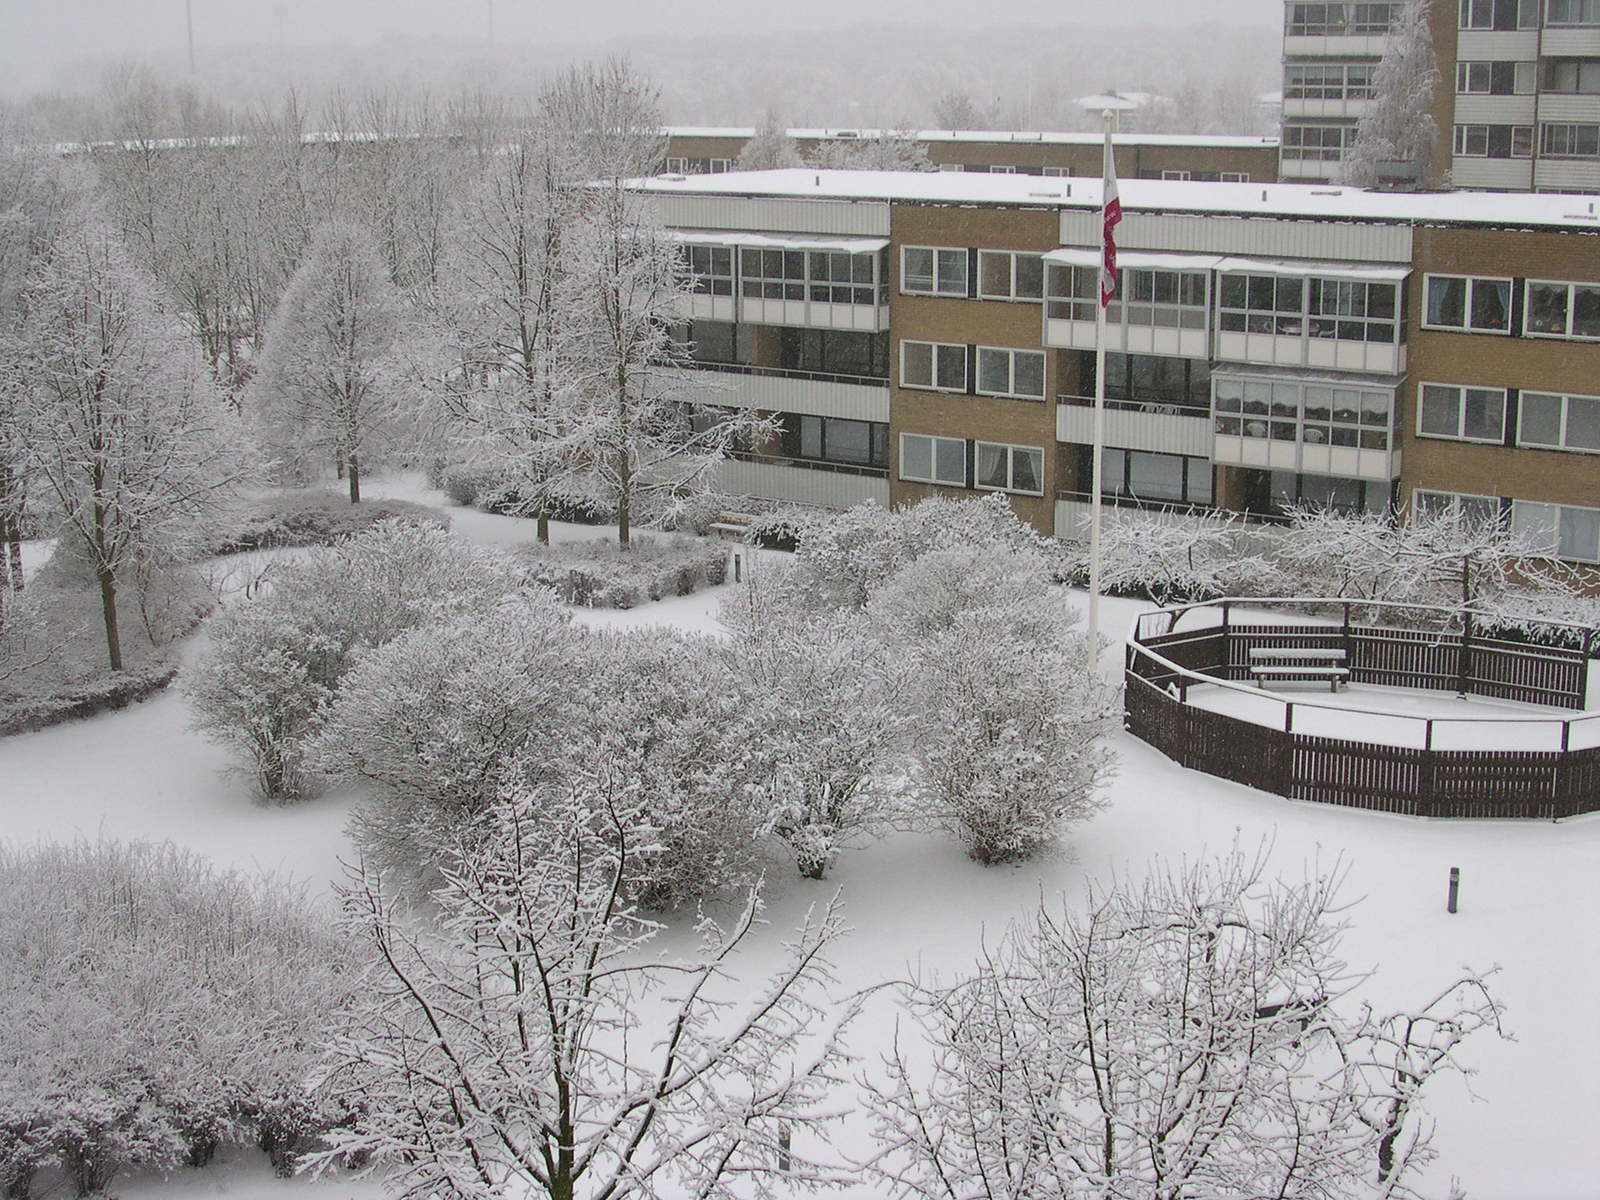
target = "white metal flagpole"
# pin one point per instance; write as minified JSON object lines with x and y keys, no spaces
{"x":1110,"y":214}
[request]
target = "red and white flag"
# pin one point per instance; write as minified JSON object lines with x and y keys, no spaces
{"x":1110,"y":215}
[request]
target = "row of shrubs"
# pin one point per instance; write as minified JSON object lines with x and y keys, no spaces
{"x":313,"y":518}
{"x":84,"y":698}
{"x":605,"y":575}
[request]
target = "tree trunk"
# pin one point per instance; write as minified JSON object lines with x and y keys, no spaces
{"x":624,"y":494}
{"x":355,"y":480}
{"x":544,"y":527}
{"x":108,"y":610}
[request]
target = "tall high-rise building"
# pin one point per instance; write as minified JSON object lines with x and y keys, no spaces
{"x":1517,"y":104}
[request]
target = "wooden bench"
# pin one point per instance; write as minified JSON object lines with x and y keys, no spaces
{"x":1299,"y":664}
{"x":731,"y":525}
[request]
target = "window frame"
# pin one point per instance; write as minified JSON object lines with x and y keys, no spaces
{"x":1472,"y":282}
{"x":1564,"y":421}
{"x":1011,"y":453}
{"x":934,"y":385}
{"x":1454,"y":498}
{"x":937,"y":279}
{"x":1572,"y":287}
{"x":1591,"y":22}
{"x":1011,"y":354}
{"x":1461,"y":390}
{"x":933,"y":458}
{"x":1518,"y":507}
{"x":1011,"y":274}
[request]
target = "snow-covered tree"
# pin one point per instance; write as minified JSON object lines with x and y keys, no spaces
{"x":526,"y":1045}
{"x":1191,"y":1036}
{"x":329,"y":385}
{"x":444,"y":719}
{"x":275,"y":663}
{"x":826,"y":723}
{"x":956,"y":109}
{"x":122,"y":427}
{"x":1398,"y":125}
{"x":770,"y":149}
{"x":1009,"y":717}
{"x":1175,"y":561}
{"x":885,"y":150}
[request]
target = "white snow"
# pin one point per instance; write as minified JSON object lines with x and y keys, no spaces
{"x":1529,"y":892}
{"x":1020,"y":137}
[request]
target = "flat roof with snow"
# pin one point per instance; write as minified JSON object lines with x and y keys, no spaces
{"x":1021,"y":137}
{"x":1320,"y":202}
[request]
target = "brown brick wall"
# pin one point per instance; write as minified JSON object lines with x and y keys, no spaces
{"x":1488,"y":360}
{"x":972,"y":323}
{"x":1444,"y":19}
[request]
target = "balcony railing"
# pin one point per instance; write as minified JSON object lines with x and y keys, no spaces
{"x":785,"y":373}
{"x":1164,"y":408}
{"x":809,"y":464}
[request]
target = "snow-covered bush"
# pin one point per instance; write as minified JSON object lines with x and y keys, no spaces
{"x":150,"y":1002}
{"x":439,"y":720}
{"x":840,"y":561}
{"x":103,"y":693}
{"x":275,"y":663}
{"x":313,"y":518}
{"x":1008,"y":715}
{"x":825,"y":724}
{"x":605,"y":575}
{"x":1179,"y":561}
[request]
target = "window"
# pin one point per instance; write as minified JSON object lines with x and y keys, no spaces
{"x":1319,"y":414}
{"x":1166,"y":299}
{"x":1353,"y":20}
{"x":1317,"y":143}
{"x":835,"y":440}
{"x":715,"y":341}
{"x":932,"y":271}
{"x":1150,"y":379}
{"x":1141,"y":475}
{"x":1262,"y":304}
{"x":1072,"y":293}
{"x":925,"y":459}
{"x":834,"y":352}
{"x":1002,"y":170}
{"x":840,"y":278}
{"x":720,"y":165}
{"x":1178,"y":175}
{"x":1574,"y":12}
{"x":952,"y":167}
{"x":1563,"y":310}
{"x":1499,"y":14}
{"x":1329,"y":492}
{"x":1235,"y":176}
{"x":1353,"y":311}
{"x":1561,"y":530}
{"x":1461,"y":507}
{"x":1467,"y":413}
{"x":1328,"y":81}
{"x":1570,"y":141}
{"x":1494,"y":141}
{"x":1018,"y":373}
{"x":941,"y":366}
{"x":1057,"y":172}
{"x":677,"y":166}
{"x":1468,"y":304}
{"x":1573,"y":76}
{"x":711,"y":268}
{"x":1496,"y":78}
{"x":773,"y":274}
{"x":1559,"y":422}
{"x":1010,"y":468}
{"x":823,"y":276}
{"x":1003,"y":275}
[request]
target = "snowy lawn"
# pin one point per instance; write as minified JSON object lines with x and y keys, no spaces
{"x":915,"y":903}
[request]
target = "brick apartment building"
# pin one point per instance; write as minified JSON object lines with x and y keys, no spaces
{"x":934,"y":332}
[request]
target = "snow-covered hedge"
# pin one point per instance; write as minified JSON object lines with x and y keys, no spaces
{"x":314,"y":519}
{"x":596,"y":574}
{"x":72,"y":702}
{"x":155,"y":1009}
{"x":482,"y":488}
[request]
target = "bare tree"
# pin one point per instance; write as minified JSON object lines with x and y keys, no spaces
{"x":1195,"y":1035}
{"x":771,"y":149}
{"x":1398,"y":125}
{"x":330,"y":384}
{"x":886,"y":150}
{"x":529,"y":1047}
{"x":121,"y":425}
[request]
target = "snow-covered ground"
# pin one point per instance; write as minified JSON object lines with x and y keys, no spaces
{"x":915,"y":903}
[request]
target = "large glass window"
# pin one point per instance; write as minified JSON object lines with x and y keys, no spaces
{"x":933,"y":271}
{"x":715,"y":341}
{"x":1564,"y":310}
{"x":1010,"y":468}
{"x":1496,"y":78}
{"x":1460,"y":507}
{"x":1562,"y":530}
{"x":1499,"y":14}
{"x":1317,"y":143}
{"x":938,"y":365}
{"x":1353,"y":311}
{"x":1447,"y":410}
{"x":839,"y":278}
{"x":1018,"y":373}
{"x":773,"y":274}
{"x":1318,"y":414}
{"x":1003,"y":275}
{"x":711,"y":269}
{"x":1573,"y":76}
{"x":1262,"y":304}
{"x":835,"y":440}
{"x":1166,"y":299}
{"x":927,"y":459}
{"x":1142,"y":475}
{"x":834,"y":352}
{"x":1072,"y":293}
{"x":1494,"y":141}
{"x":1574,"y":12}
{"x":1154,"y":379}
{"x":1559,"y":422}
{"x":1331,"y":492}
{"x":1341,"y":20}
{"x":1464,"y":303}
{"x":1569,"y":140}
{"x":1328,"y":81}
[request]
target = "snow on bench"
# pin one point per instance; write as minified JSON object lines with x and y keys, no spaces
{"x":1298,"y":652}
{"x":1308,"y":664}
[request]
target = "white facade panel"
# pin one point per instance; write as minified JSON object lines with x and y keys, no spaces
{"x":785,"y":484}
{"x":1306,"y":458}
{"x":1297,"y":351}
{"x":1297,"y":170}
{"x":1509,"y":173}
{"x":1323,"y":46}
{"x":777,"y":393}
{"x":1571,"y":43}
{"x":1326,"y":108}
{"x":1349,"y":241}
{"x":1494,"y":110}
{"x":781,"y":215}
{"x":1125,"y":430}
{"x":1556,"y":106}
{"x":1128,"y":339}
{"x":808,"y":314}
{"x":1568,"y":175}
{"x":709,"y":308}
{"x":1485,"y":45}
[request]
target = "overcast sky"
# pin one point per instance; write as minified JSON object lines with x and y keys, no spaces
{"x":38,"y":36}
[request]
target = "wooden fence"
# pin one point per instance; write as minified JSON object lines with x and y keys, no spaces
{"x":1415,"y":781}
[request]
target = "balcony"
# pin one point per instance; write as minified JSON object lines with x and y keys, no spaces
{"x":1306,"y":107}
{"x":1570,"y":42}
{"x":1136,"y":425}
{"x":809,"y":392}
{"x":795,"y":481}
{"x":1560,"y":107}
{"x":1073,"y":514}
{"x":1334,"y":45}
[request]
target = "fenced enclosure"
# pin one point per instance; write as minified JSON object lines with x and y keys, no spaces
{"x":1542,"y":766}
